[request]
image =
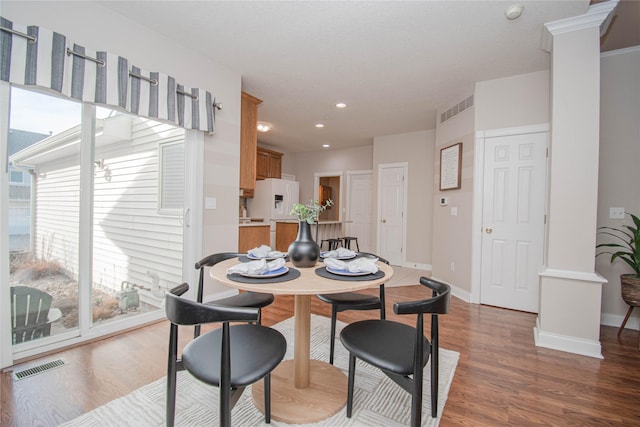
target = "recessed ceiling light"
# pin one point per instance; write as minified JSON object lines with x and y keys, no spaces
{"x":319,"y":125}
{"x":514,"y":12}
{"x":341,"y":105}
{"x":326,"y":145}
{"x":264,"y":126}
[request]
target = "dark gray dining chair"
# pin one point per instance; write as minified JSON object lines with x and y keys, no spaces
{"x":353,"y":301}
{"x":243,"y":299}
{"x":399,"y":350}
{"x":254,"y":349}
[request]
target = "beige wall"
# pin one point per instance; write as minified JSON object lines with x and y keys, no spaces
{"x":512,"y":101}
{"x":348,"y":159}
{"x":619,"y":174}
{"x":452,"y":234}
{"x":415,"y":148}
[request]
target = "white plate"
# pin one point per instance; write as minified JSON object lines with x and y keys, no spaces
{"x":250,"y":256}
{"x":322,"y":255}
{"x":346,"y":272}
{"x":274,"y":273}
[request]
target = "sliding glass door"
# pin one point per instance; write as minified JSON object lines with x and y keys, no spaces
{"x":95,"y":220}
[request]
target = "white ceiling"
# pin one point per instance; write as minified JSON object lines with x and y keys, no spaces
{"x":393,"y":62}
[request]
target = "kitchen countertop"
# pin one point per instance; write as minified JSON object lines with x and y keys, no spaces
{"x":293,"y":221}
{"x":254,"y":224}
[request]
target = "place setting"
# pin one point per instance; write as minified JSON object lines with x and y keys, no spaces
{"x":340,"y":253}
{"x":262,"y":271}
{"x":358,"y":269}
{"x":263,"y":252}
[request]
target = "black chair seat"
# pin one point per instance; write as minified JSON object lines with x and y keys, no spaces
{"x":255,"y":351}
{"x":230,"y":357}
{"x":349,"y":298}
{"x":383,"y":343}
{"x":399,"y":350}
{"x":246,"y":299}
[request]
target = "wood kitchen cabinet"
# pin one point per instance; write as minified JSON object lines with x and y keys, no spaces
{"x":253,"y":236}
{"x":248,"y":142}
{"x":268,"y":164}
{"x":286,"y":232}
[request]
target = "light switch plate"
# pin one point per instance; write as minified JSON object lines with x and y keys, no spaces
{"x":454,"y":211}
{"x":210,"y":203}
{"x":616,"y":213}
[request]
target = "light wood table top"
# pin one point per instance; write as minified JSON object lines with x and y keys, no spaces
{"x":302,"y":390}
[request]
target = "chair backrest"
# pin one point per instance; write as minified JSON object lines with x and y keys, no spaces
{"x":181,"y":311}
{"x":438,"y":304}
{"x":210,"y":261}
{"x":29,"y":313}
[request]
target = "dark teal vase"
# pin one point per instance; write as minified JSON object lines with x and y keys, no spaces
{"x":304,"y":251}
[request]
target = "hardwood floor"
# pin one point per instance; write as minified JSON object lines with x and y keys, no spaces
{"x":501,"y":379}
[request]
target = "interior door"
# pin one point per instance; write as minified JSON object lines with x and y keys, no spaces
{"x":391,"y":208}
{"x":513,"y":220}
{"x":359,"y":208}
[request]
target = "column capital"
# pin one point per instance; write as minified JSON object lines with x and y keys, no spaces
{"x":598,"y":15}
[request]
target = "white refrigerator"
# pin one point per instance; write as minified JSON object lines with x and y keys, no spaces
{"x":272,"y":200}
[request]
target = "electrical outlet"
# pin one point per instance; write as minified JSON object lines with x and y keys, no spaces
{"x":454,"y":211}
{"x":616,"y":213}
{"x":453,"y":266}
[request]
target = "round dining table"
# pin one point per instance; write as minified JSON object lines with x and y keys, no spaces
{"x":303,"y":390}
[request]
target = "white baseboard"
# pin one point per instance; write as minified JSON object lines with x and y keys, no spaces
{"x":418,"y":266}
{"x":615,"y":320}
{"x":462,"y":294}
{"x":566,"y":343}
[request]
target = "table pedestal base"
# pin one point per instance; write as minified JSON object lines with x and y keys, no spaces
{"x":325,"y":396}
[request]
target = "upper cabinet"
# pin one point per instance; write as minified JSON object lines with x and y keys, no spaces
{"x":248,"y":141}
{"x":268,"y":164}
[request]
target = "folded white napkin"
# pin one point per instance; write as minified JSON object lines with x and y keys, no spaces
{"x":339,"y":253}
{"x":264,"y":251}
{"x":256,"y":267}
{"x":360,"y":265}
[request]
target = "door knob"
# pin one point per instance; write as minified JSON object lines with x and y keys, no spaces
{"x":384,"y":221}
{"x":489,"y":230}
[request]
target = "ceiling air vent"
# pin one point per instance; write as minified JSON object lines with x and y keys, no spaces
{"x":456,"y":109}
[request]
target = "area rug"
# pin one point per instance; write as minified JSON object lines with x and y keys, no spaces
{"x":378,"y":401}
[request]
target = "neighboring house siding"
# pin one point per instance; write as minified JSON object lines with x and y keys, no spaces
{"x":131,"y":242}
{"x":57,"y":205}
{"x":19,"y":221}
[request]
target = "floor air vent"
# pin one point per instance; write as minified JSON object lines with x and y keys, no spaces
{"x":26,"y":373}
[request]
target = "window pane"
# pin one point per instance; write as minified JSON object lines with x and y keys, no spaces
{"x":137,"y":252}
{"x":43,"y":140}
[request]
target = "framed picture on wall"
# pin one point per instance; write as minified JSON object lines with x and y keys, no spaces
{"x":451,"y":167}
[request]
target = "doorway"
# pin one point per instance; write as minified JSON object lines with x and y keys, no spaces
{"x":511,"y":197}
{"x":359,"y":203}
{"x":392,"y":205}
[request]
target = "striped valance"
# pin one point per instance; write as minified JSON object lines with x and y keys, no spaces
{"x":36,"y":56}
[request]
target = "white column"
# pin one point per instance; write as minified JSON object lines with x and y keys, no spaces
{"x":570,"y":289}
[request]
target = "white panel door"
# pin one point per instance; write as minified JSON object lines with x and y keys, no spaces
{"x":513,"y":220}
{"x":360,"y":209}
{"x":391,"y":213}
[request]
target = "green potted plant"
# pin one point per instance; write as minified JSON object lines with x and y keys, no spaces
{"x":627,"y":248}
{"x":304,"y":251}
{"x":310,"y":211}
